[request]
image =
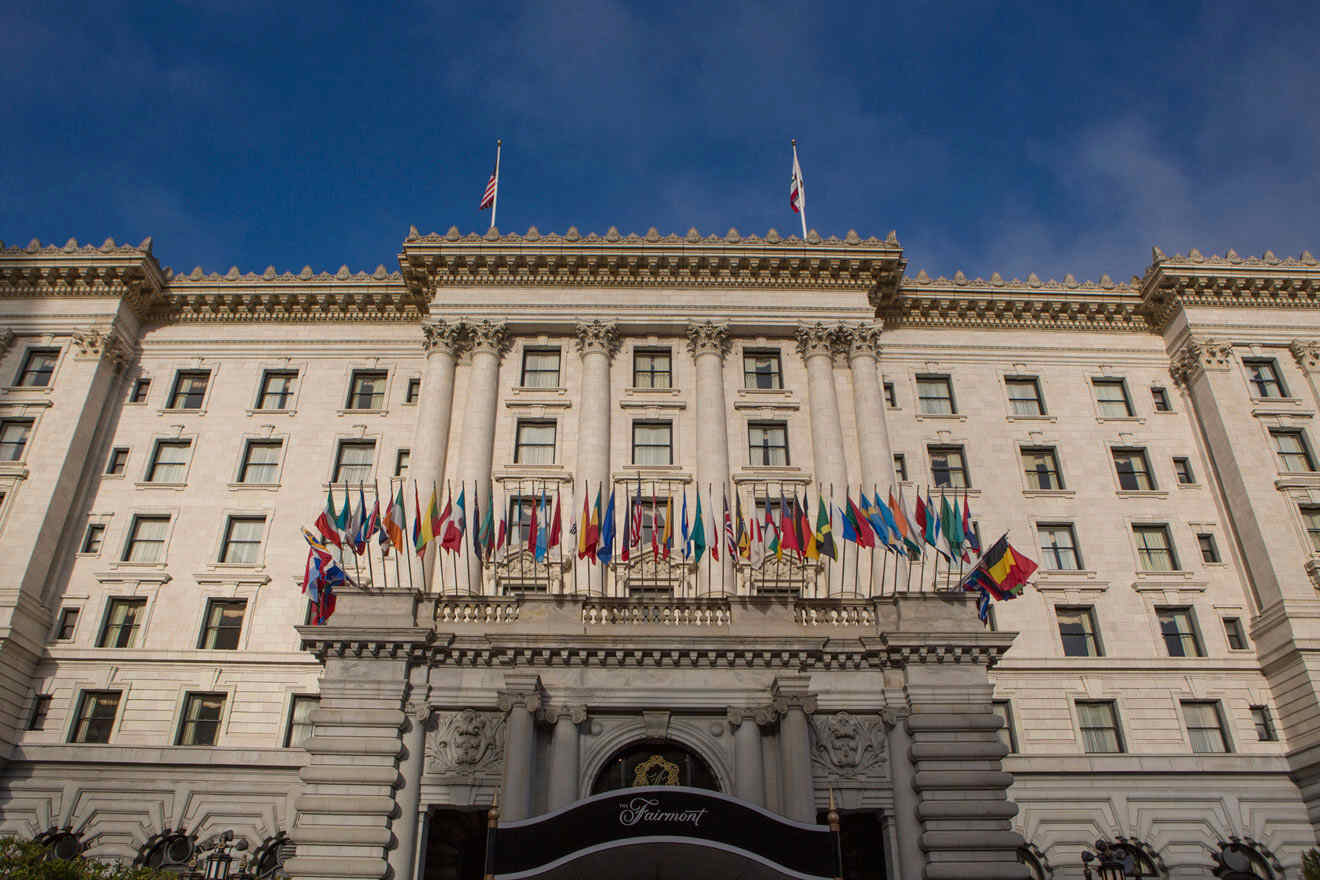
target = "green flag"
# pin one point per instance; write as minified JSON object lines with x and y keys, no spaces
{"x":824,"y":535}
{"x":948,"y":524}
{"x":699,"y":533}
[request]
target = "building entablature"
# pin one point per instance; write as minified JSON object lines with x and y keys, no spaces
{"x":306,"y":296}
{"x":74,"y":270}
{"x":1229,"y":281}
{"x":614,"y":260}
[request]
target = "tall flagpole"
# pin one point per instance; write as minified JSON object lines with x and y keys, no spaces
{"x":495,"y":202}
{"x":798,"y":184}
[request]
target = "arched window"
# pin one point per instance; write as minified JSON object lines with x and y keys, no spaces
{"x":663,"y":763}
{"x":1246,"y":860}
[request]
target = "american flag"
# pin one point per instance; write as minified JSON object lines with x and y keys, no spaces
{"x":488,"y":197}
{"x":730,"y":541}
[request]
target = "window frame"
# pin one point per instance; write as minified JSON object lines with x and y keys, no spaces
{"x":1167,"y":616}
{"x":132,"y":539}
{"x":25,"y":367}
{"x":751,"y":380}
{"x":1143,"y":457}
{"x":1159,"y":398}
{"x":652,"y":423}
{"x":215,"y":606}
{"x":154,"y":462}
{"x":1182,"y":468}
{"x":1038,"y":398}
{"x":525,"y":371}
{"x":1303,"y":453}
{"x":361,"y":375}
{"x":346,"y":443}
{"x":412,"y":391}
{"x":1114,"y":719}
{"x":115,"y":466}
{"x":521,"y":446}
{"x":1209,"y":548}
{"x":900,"y":467}
{"x":245,"y":462}
{"x":651,"y":374}
{"x":40,"y":713}
{"x":98,"y":529}
{"x":890,"y":394}
{"x":1235,"y":632}
{"x":178,"y":398}
{"x":197,"y":697}
{"x":1007,"y":717}
{"x":140,"y":391}
{"x":1261,"y":718}
{"x":402,"y":461}
{"x":767,"y":427}
{"x":290,"y":396}
{"x":944,"y":379}
{"x":22,"y":445}
{"x":1310,"y":514}
{"x":1098,"y":382}
{"x":1051,"y":454}
{"x":67,"y":619}
{"x":228,"y":540}
{"x":78,"y":732}
{"x":1090,"y":634}
{"x":135,"y":629}
{"x":1051,"y":553}
{"x":1220,"y":727}
{"x":1257,"y":386}
{"x":946,"y":449}
{"x":1144,"y":549}
{"x":314,"y":700}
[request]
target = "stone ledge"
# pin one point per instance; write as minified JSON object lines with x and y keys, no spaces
{"x":184,"y":756}
{"x":349,"y":774}
{"x":345,"y":805}
{"x":310,"y":867}
{"x":343,"y":835}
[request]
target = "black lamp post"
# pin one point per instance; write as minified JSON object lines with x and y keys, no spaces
{"x":1111,"y":862}
{"x":219,"y":863}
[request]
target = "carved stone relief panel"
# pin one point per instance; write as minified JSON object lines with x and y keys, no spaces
{"x":849,"y":749}
{"x":466,"y":745}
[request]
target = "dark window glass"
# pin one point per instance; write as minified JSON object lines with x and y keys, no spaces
{"x":223,"y":624}
{"x":1058,"y":547}
{"x":40,"y":709}
{"x":401,"y":461}
{"x":1237,"y":637}
{"x":1133,"y":470}
{"x":1160,"y":398}
{"x":1260,"y":716}
{"x":93,"y":537}
{"x":900,"y":466}
{"x":38,"y":365}
{"x":141,"y":388}
{"x":1182,"y":467}
{"x":891,"y":399}
{"x":366,"y":390}
{"x":123,"y":621}
{"x":947,"y":467}
{"x":1077,"y":630}
{"x":67,"y":625}
{"x":1041,"y":466}
{"x":14,"y":435}
{"x":1179,"y":632}
{"x":118,"y":461}
{"x":761,"y":370}
{"x":767,"y":444}
{"x":652,"y":368}
{"x":1209,"y":550}
{"x":414,"y":390}
{"x":189,"y":389}
{"x":1263,"y":376}
{"x":200,"y":725}
{"x":1311,"y":520}
{"x":277,"y":387}
{"x":652,"y":764}
{"x":95,"y":717}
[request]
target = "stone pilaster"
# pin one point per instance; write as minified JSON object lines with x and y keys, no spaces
{"x":906,"y":824}
{"x":565,"y":752}
{"x":403,"y":857}
{"x":444,"y":343}
{"x":521,"y":699}
{"x":861,"y":343}
{"x":817,"y":344}
{"x":597,"y":343}
{"x":709,"y":343}
{"x":793,"y":701}
{"x":489,"y":342}
{"x":748,"y":764}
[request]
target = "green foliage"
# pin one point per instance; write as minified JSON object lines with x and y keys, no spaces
{"x":25,"y":860}
{"x":1311,"y":864}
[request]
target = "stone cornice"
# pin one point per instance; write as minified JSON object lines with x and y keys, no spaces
{"x":1228,"y":281}
{"x":358,"y":641}
{"x":614,"y":260}
{"x":307,"y":296}
{"x":904,"y":649}
{"x":111,"y":270}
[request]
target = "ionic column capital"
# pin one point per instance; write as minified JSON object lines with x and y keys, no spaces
{"x":522,"y":692}
{"x":489,"y":336}
{"x":791,"y":692}
{"x":761,"y":716}
{"x":597,"y":336}
{"x":1307,"y":353}
{"x":552,"y":712}
{"x":818,"y":339}
{"x":708,"y":337}
{"x":1197,"y":356}
{"x":860,"y":340}
{"x":451,"y":337}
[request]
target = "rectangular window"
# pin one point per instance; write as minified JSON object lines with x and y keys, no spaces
{"x":402,"y":458}
{"x":1041,"y":466}
{"x":366,"y":389}
{"x":1058,"y":547}
{"x":141,"y":388}
{"x":300,"y":721}
{"x":200,"y":725}
{"x":1024,"y":395}
{"x":261,"y":462}
{"x":1098,"y":721}
{"x":14,"y":435}
{"x":277,"y":387}
{"x":223,"y":624}
{"x":242,"y":543}
{"x":948,"y":468}
{"x":935,"y":396}
{"x":761,"y":370}
{"x":891,"y":398}
{"x":1263,"y":376}
{"x":1205,"y":727}
{"x":1209,"y":550}
{"x":1154,"y":548}
{"x":118,"y":461}
{"x":1077,"y":630}
{"x":1237,"y":636}
{"x":1311,"y":521}
{"x":652,"y":443}
{"x":1179,"y":631}
{"x":93,"y":538}
{"x":540,"y":368}
{"x":1133,"y":470}
{"x":123,"y":621}
{"x":353,"y":461}
{"x":535,"y":443}
{"x":40,"y":709}
{"x":1182,"y":468}
{"x":38,"y":365}
{"x":767,"y":444}
{"x":1293,"y":451}
{"x":654,"y":510}
{"x":95,"y":717}
{"x":414,"y":391}
{"x":1260,"y":716}
{"x":169,"y":461}
{"x":1161,"y":398}
{"x":189,"y":389}
{"x":67,"y":624}
{"x":652,"y":368}
{"x":1112,"y":399}
{"x":146,"y":539}
{"x":1006,"y":733}
{"x":900,"y":466}
{"x":520,"y":518}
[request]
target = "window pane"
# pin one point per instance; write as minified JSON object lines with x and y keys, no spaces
{"x":13,"y":438}
{"x":277,"y":390}
{"x":1077,"y":631}
{"x":170,"y":463}
{"x":540,"y":368}
{"x":262,"y":462}
{"x":123,"y":620}
{"x":243,"y":540}
{"x":300,"y":721}
{"x":1024,"y":395}
{"x":651,"y":369}
{"x":947,"y":468}
{"x":1133,"y":471}
{"x":651,"y":443}
{"x":68,"y":624}
{"x":1203,"y":728}
{"x":355,"y":461}
{"x":761,"y":371}
{"x":367,"y":390}
{"x":1042,"y":469}
{"x":224,"y":624}
{"x":38,"y":366}
{"x":1160,"y":398}
{"x":935,"y":395}
{"x":1006,"y":735}
{"x":1237,"y":638}
{"x":146,"y":542}
{"x":535,"y":443}
{"x":189,"y":389}
{"x":767,"y":444}
{"x":96,"y":717}
{"x":1099,"y":727}
{"x":1263,"y":376}
{"x":1058,"y":548}
{"x":201,"y":719}
{"x":1153,"y":549}
{"x":1294,"y":456}
{"x":1111,"y":398}
{"x":1180,"y":638}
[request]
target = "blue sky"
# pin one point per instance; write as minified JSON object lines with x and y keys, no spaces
{"x":992,"y":137}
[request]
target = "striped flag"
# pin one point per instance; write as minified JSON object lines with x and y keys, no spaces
{"x":492,"y":187}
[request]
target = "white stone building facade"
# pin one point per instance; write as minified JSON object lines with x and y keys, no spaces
{"x":163,"y":437}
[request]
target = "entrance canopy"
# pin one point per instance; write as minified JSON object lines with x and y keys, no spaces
{"x":662,"y":833}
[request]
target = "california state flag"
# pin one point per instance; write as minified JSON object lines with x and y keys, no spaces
{"x":797,"y":194}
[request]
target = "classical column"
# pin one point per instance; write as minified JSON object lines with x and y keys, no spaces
{"x":816,"y":343}
{"x":564,"y":753}
{"x":793,"y":700}
{"x":597,"y":343}
{"x":443,"y":343}
{"x":490,"y":341}
{"x":906,"y":824}
{"x":709,"y":342}
{"x":748,"y":769}
{"x":403,"y":857}
{"x":520,"y":700}
{"x":862,"y":343}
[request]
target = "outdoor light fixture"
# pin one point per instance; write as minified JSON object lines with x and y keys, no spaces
{"x":1111,"y":862}
{"x":219,"y":863}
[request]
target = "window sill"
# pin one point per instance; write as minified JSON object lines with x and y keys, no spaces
{"x":1049,"y":493}
{"x":16,"y":470}
{"x":134,"y":572}
{"x":764,"y":392}
{"x":235,"y":566}
{"x":1127,"y":419}
{"x":362,"y":412}
{"x":669,"y":392}
{"x":940,"y":417}
{"x":758,"y":474}
{"x":29,"y":389}
{"x":258,"y":487}
{"x":1189,"y":485}
{"x":153,"y":484}
{"x":180,"y":411}
{"x":271,"y":412}
{"x":1297,"y":480}
{"x":1142,"y":493}
{"x":516,"y":472}
{"x":1044,"y":418}
{"x":112,"y":476}
{"x":1173,"y":581}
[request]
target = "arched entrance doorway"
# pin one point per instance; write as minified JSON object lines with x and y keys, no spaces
{"x":654,"y":763}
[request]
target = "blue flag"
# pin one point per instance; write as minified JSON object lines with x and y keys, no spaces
{"x":542,"y":534}
{"x":606,"y":550}
{"x":687,"y":544}
{"x":849,"y":533}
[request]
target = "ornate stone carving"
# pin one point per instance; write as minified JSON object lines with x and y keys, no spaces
{"x":438,"y":335}
{"x":96,"y":343}
{"x":553,"y":712}
{"x":848,"y":745}
{"x":763,"y":716}
{"x":1197,"y":355}
{"x":1307,"y":353}
{"x":708,"y":337}
{"x":524,"y":692}
{"x":597,"y":336}
{"x":817,"y":339}
{"x":6,"y":340}
{"x":467,"y":743}
{"x":491,"y":336}
{"x":860,"y":340}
